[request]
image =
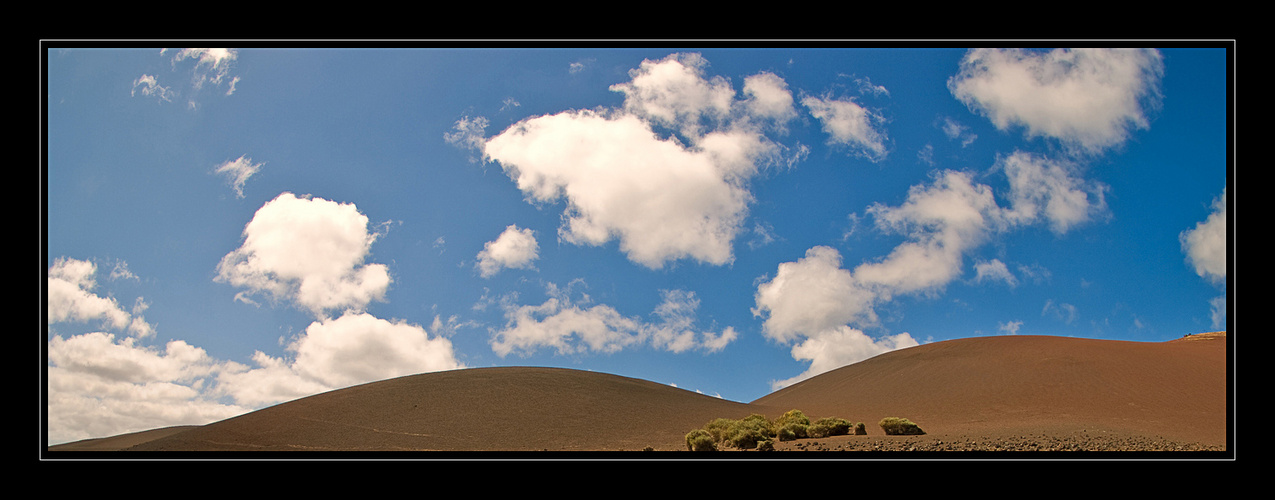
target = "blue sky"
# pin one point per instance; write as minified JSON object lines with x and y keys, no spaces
{"x":228,"y":229}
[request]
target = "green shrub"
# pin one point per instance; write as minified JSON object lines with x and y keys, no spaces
{"x":860,"y":429}
{"x":792,"y":417}
{"x":718,"y":428}
{"x":899,"y":426}
{"x":785,"y":433}
{"x":747,"y":432}
{"x":791,"y":431}
{"x":745,"y":438}
{"x":759,"y":422}
{"x":756,"y":432}
{"x":829,"y":426}
{"x":700,"y":440}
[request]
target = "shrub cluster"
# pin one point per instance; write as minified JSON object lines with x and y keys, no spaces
{"x":700,"y":440}
{"x":829,"y":426}
{"x":899,"y":426}
{"x":756,"y":432}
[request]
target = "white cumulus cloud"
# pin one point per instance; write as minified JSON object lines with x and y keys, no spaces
{"x":99,"y":386}
{"x":850,"y":124}
{"x":1090,"y":99}
{"x":674,"y":93}
{"x":569,"y":328}
{"x":769,"y":99}
{"x":1040,"y":187}
{"x":815,"y":302}
{"x":515,"y":248}
{"x":70,"y":295}
{"x":663,"y":198}
{"x":310,"y":251}
{"x":334,"y":353}
{"x":1205,"y":245}
{"x":839,"y":347}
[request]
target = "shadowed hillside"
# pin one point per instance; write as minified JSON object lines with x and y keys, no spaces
{"x":482,"y":409}
{"x":974,"y":386}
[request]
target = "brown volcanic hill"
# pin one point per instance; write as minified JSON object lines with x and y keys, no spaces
{"x":479,"y":409}
{"x":997,"y":385}
{"x":120,"y":442}
{"x":985,"y":386}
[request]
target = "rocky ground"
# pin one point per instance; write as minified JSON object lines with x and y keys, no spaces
{"x":1080,"y":442}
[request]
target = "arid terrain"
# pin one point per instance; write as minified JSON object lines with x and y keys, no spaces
{"x":999,"y":394}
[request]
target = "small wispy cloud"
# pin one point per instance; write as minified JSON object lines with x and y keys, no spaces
{"x":954,"y":130}
{"x":1010,"y":327}
{"x":1061,"y":310}
{"x":994,"y":270}
{"x":149,"y":86}
{"x":238,"y":171}
{"x":212,"y":66}
{"x":468,"y":134}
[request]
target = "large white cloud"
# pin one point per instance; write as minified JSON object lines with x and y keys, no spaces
{"x":663,"y":198}
{"x":71,"y":297}
{"x":304,"y":251}
{"x":812,"y":295}
{"x":1040,"y":187}
{"x":810,"y":304}
{"x":942,"y":221}
{"x":814,"y":301}
{"x":674,"y":93}
{"x":569,"y":328}
{"x":1088,"y":98}
{"x":100,"y":386}
{"x":566,"y":328}
{"x":515,"y":248}
{"x":334,"y":353}
{"x":839,"y":347}
{"x":310,"y":251}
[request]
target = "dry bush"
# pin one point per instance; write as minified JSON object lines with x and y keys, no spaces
{"x":899,"y":426}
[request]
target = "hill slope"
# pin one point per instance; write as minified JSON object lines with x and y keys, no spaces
{"x":984,"y":386}
{"x":481,"y":409}
{"x":1175,"y":389}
